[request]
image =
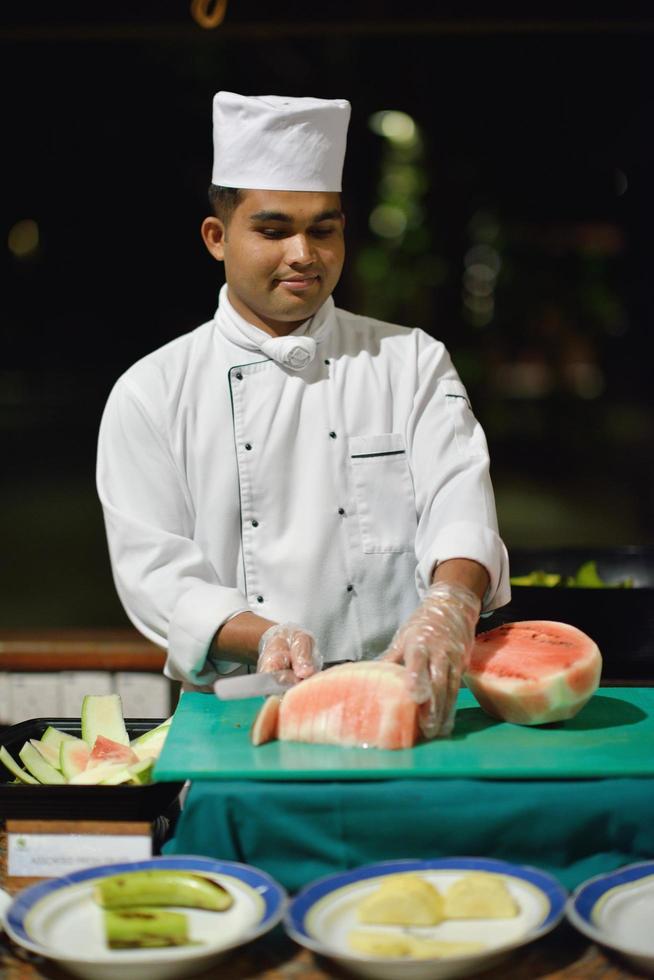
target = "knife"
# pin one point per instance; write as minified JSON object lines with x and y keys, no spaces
{"x":254,"y":685}
{"x":259,"y":685}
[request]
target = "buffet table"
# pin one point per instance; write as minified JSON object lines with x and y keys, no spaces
{"x":571,"y":827}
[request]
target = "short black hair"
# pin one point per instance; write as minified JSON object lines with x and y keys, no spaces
{"x":224,"y":201}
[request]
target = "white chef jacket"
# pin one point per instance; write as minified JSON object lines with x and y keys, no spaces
{"x":315,"y":479}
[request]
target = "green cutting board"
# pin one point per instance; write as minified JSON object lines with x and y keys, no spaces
{"x":613,"y":735}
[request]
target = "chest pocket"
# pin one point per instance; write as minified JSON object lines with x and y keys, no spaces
{"x":384,"y":493}
{"x":469,"y":435}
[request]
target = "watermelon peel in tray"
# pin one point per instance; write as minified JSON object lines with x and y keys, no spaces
{"x":103,"y":756}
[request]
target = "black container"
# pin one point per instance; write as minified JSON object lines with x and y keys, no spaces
{"x":619,"y":620}
{"x":24,"y":801}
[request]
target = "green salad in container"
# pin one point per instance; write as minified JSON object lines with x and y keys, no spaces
{"x":586,"y":577}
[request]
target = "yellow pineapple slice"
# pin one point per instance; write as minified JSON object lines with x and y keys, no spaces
{"x":403,"y":899}
{"x":479,"y":895}
{"x":378,"y":943}
{"x":426,"y":949}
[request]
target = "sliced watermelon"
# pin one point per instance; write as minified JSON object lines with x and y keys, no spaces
{"x":102,"y":714}
{"x":366,"y":703}
{"x":73,"y":756}
{"x":264,"y":727}
{"x":534,"y":672}
{"x":105,"y":750}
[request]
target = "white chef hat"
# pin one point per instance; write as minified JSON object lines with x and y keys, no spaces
{"x":270,"y":142}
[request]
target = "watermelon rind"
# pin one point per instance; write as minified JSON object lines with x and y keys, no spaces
{"x":97,"y":774}
{"x":116,"y":778}
{"x":102,"y":714}
{"x":53,"y":736}
{"x":38,"y":767}
{"x":47,"y":752}
{"x":59,"y":757}
{"x":73,"y":756}
{"x":153,"y":733}
{"x":140,"y":773}
{"x":150,"y":744}
{"x":10,"y":763}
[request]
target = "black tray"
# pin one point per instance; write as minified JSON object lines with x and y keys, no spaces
{"x":619,"y":620}
{"x":79,"y":802}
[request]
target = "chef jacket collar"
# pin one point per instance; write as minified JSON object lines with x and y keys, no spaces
{"x":294,"y":351}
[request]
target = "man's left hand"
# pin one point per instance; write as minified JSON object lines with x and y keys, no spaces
{"x":435,"y":645}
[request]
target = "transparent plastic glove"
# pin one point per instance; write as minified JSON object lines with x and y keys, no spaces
{"x":287,"y":646}
{"x":435,"y":645}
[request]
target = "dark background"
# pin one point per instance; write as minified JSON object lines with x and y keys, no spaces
{"x":534,"y":146}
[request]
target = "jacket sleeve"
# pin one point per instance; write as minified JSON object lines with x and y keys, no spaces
{"x":451,"y":471}
{"x":168,"y":589}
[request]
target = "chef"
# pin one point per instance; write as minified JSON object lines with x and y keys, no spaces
{"x":292,"y":484}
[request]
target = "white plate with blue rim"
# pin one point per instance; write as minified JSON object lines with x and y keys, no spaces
{"x":323,"y":916}
{"x":5,"y":902}
{"x":60,"y":919}
{"x":616,"y":910}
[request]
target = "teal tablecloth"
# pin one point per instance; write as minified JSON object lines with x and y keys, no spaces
{"x":300,"y":831}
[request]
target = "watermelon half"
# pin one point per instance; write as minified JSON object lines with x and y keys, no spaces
{"x":534,"y":672}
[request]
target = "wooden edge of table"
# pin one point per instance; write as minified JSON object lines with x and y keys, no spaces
{"x":115,"y":649}
{"x":79,"y":649}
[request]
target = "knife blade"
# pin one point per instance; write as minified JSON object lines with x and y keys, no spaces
{"x":254,"y":685}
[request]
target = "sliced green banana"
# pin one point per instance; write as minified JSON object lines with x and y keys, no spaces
{"x":162,"y":887}
{"x":140,"y":928}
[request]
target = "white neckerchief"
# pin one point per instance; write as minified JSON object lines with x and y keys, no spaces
{"x":294,"y":351}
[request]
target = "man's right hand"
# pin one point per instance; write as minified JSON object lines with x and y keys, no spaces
{"x":286,"y":646}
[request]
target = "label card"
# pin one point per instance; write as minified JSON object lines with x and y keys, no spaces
{"x":46,"y":855}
